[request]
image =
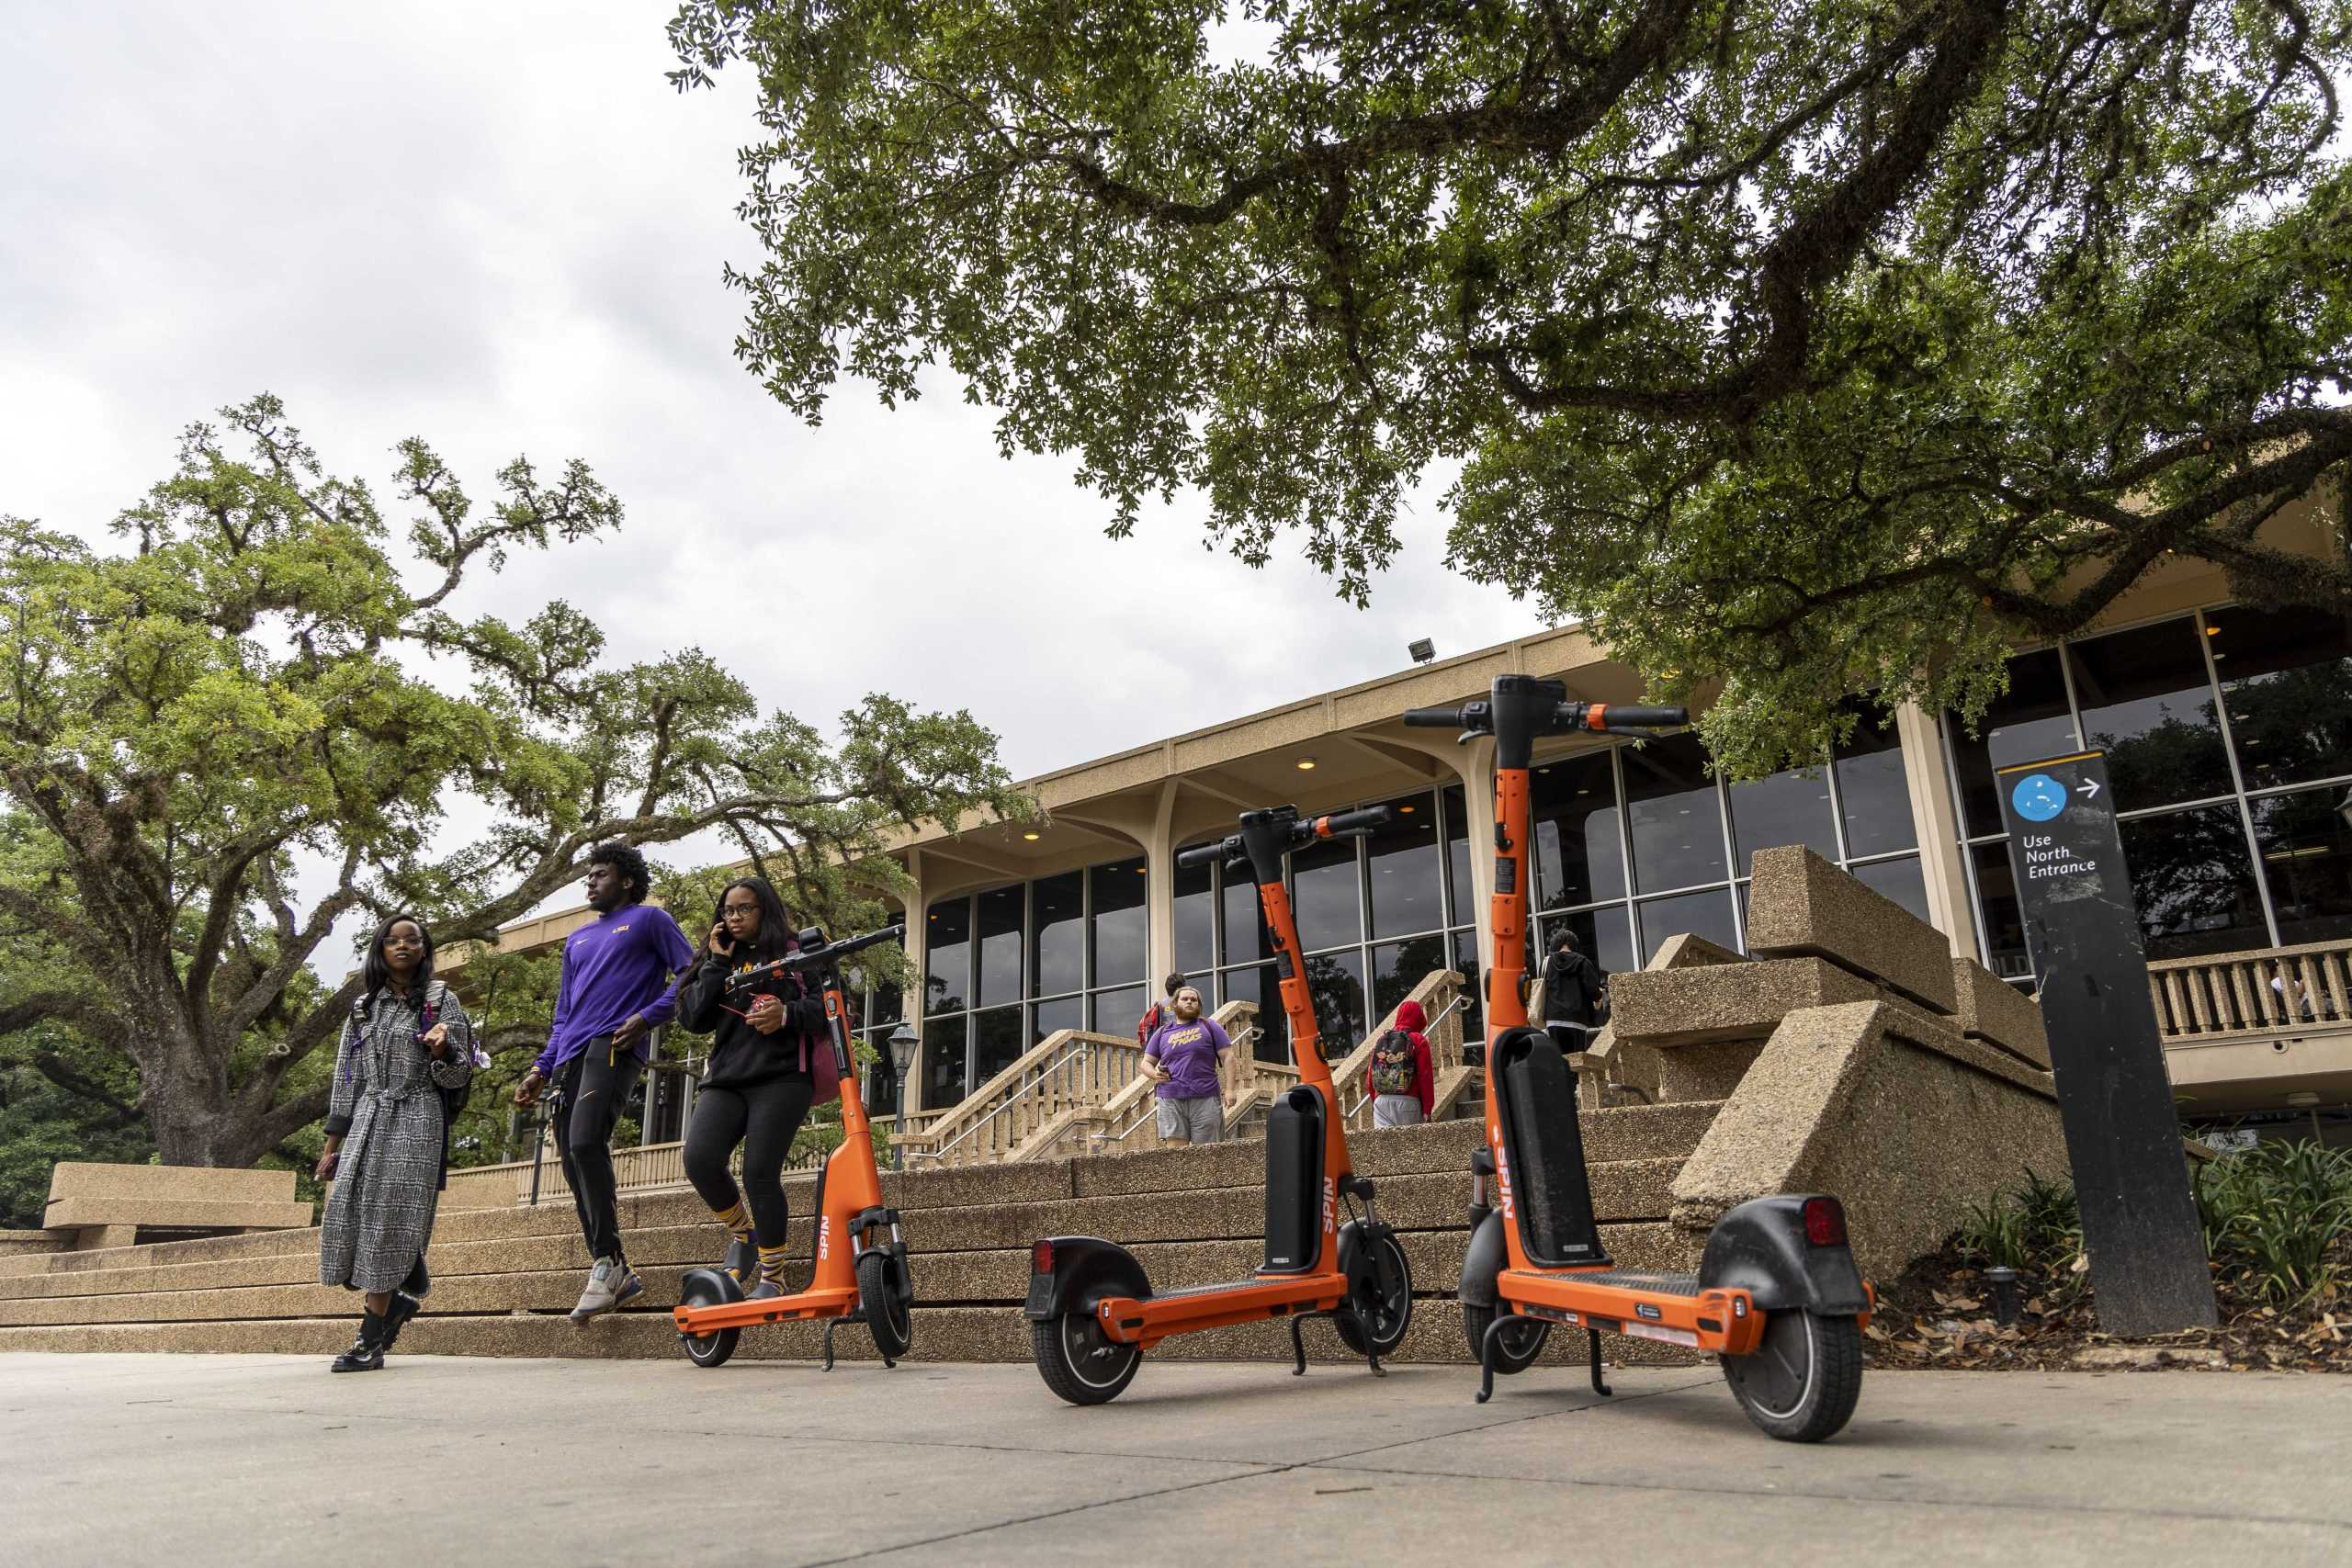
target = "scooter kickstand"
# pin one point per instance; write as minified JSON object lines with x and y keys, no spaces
{"x":1298,"y":1347}
{"x":1592,"y":1349}
{"x":1373,"y":1357}
{"x":830,"y":1324}
{"x":1487,"y":1358}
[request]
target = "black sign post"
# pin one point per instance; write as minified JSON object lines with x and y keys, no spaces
{"x":2140,"y":1226}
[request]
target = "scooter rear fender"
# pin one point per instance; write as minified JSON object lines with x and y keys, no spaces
{"x":1086,"y":1269}
{"x":1483,"y":1263}
{"x":1760,"y":1247}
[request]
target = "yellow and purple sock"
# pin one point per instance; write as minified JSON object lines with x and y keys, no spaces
{"x":737,"y":1220}
{"x":771,"y":1264}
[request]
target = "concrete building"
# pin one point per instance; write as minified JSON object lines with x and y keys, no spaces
{"x":2229,"y":737}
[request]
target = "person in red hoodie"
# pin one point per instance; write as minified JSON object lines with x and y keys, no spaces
{"x":1404,"y":1084}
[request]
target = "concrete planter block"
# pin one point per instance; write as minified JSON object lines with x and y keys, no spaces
{"x":1999,"y":1014}
{"x":1669,"y":1009}
{"x":1802,"y":906}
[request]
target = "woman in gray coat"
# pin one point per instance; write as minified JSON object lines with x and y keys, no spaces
{"x":406,"y":1044}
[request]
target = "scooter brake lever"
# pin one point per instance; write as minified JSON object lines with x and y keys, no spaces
{"x":1467,"y":737}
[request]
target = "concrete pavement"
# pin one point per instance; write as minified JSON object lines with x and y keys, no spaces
{"x":268,"y":1460}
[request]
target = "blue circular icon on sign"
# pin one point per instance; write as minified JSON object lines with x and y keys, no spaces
{"x":2039,"y":797}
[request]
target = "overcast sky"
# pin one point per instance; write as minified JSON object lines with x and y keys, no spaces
{"x":496,"y":226}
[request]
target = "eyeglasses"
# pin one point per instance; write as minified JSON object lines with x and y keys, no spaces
{"x":738,"y":911}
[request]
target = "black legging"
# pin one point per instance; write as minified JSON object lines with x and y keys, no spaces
{"x":596,"y":1085}
{"x":762,"y":1117}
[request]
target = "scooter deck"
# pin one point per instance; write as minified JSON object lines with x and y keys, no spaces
{"x":836,"y":1302}
{"x":1673,"y":1309}
{"x":1145,"y":1321}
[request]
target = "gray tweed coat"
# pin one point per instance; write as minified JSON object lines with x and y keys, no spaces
{"x":387,"y":1105}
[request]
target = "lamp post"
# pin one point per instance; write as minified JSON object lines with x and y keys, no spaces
{"x":902,"y":1060}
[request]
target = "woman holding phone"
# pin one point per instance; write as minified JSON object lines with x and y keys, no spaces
{"x":769,"y":1062}
{"x":406,"y":1047}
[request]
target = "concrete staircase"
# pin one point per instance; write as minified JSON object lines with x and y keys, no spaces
{"x":505,"y":1276}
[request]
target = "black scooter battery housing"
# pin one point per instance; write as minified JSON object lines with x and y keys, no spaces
{"x":1294,"y":1173}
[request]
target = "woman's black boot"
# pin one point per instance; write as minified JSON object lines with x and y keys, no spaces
{"x":397,"y":1312}
{"x":743,"y":1260}
{"x":366,"y":1352}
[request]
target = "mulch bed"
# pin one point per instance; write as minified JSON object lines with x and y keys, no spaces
{"x":1939,"y":1315}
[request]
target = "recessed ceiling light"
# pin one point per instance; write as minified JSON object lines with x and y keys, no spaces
{"x":1305,"y":764}
{"x":1030,"y":837}
{"x":1408,"y":810}
{"x":2212,"y":631}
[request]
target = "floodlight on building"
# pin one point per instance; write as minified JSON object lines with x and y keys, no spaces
{"x":2303,"y":1099}
{"x":1422,"y":649}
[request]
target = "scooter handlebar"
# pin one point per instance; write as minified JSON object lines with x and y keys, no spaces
{"x":817,"y":957}
{"x":1456,"y":717}
{"x":1202,"y":855}
{"x":1344,"y":822}
{"x":1632,"y":716}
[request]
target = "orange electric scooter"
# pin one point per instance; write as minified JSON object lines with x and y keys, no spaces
{"x":861,"y":1259}
{"x":1776,"y":1297}
{"x":1091,"y":1311}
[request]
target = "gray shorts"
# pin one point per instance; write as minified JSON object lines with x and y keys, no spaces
{"x":1396,"y":1110}
{"x":1198,"y":1121}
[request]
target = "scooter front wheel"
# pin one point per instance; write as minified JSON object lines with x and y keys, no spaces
{"x":1802,"y":1383}
{"x":705,"y":1288}
{"x":1516,"y":1349}
{"x":1077,"y":1362}
{"x":1375,"y":1327}
{"x":889,"y":1312}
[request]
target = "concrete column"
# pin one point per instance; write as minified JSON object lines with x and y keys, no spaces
{"x":1935,"y":819}
{"x":1476,"y":765}
{"x":1160,"y":888}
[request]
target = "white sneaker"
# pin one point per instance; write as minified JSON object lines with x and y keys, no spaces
{"x":610,"y":1283}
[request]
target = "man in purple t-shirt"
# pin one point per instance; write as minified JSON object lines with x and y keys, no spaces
{"x":1183,"y":1056}
{"x":615,"y":988}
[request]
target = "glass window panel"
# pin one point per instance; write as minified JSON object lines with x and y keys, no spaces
{"x":1580,"y":853}
{"x":1118,"y":1012}
{"x":882,"y":998}
{"x":1786,"y":809}
{"x":2028,"y":720}
{"x":1324,"y":893}
{"x":1401,"y":865}
{"x":1000,"y":944}
{"x":1335,"y":981}
{"x":1675,"y":814}
{"x":1900,"y":880}
{"x":1398,"y":966}
{"x":1706,"y":914}
{"x":1997,"y":914}
{"x":1605,"y":935}
{"x":1195,"y":917}
{"x":1872,"y":790}
{"x":1119,"y":921}
{"x":2192,"y":881}
{"x":1460,"y":891}
{"x":1057,"y":932}
{"x":1242,"y":919}
{"x":947,"y":957}
{"x":1473,"y":995}
{"x":1259,"y":984}
{"x":2287,"y":677}
{"x":1062,"y":1013}
{"x":2146,"y":703}
{"x":996,"y":1042}
{"x":2307,"y":859}
{"x":942,"y":1063}
{"x":1205,"y":982}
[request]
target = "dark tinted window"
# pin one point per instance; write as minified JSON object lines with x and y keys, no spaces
{"x":1324,"y":895}
{"x":2027,"y":722}
{"x":948,"y":963}
{"x":997,"y":1042}
{"x":2146,"y":703}
{"x":1195,"y":917}
{"x":2307,"y":859}
{"x":1335,"y":980}
{"x":1900,"y":880}
{"x":1675,"y":814}
{"x":1398,"y":966}
{"x":1065,"y":1013}
{"x":1119,"y":921}
{"x":1997,"y":895}
{"x":2193,"y":883}
{"x":1872,"y":789}
{"x":1579,"y":854}
{"x":1460,"y":891}
{"x":942,"y":1063}
{"x":1243,"y":919}
{"x":1401,"y":861}
{"x":2287,"y":678}
{"x":1786,"y":809}
{"x":1604,"y":935}
{"x":1057,"y":955}
{"x":1706,"y":914}
{"x":1259,"y":985}
{"x":1118,"y":1012}
{"x":1000,"y":945}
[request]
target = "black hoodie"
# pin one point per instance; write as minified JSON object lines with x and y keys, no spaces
{"x":740,"y":1055}
{"x":1571,"y":984}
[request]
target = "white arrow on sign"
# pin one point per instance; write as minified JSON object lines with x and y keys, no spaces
{"x":2089,"y":787}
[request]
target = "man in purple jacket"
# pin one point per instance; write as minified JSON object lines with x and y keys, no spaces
{"x":615,"y":988}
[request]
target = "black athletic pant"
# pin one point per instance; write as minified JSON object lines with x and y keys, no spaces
{"x":762,"y":1117}
{"x":596,"y":1088}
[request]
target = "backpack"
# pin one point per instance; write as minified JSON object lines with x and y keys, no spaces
{"x":1392,"y":1064}
{"x":1148,"y":1025}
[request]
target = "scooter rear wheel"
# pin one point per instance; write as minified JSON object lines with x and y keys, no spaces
{"x":889,"y":1312}
{"x":1388,"y":1318}
{"x":1802,"y":1383}
{"x":1519,"y":1345}
{"x":1077,"y":1362}
{"x":704,"y":1288}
